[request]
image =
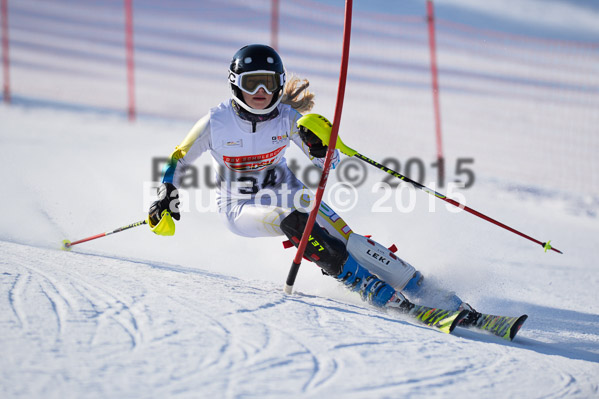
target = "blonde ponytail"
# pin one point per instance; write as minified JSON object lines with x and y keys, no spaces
{"x":292,"y":94}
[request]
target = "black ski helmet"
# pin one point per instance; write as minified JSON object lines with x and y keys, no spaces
{"x":253,"y":58}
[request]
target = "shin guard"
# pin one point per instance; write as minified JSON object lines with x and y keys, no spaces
{"x":380,"y":261}
{"x":323,"y":249}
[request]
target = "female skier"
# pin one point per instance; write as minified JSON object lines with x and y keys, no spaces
{"x":259,"y":196}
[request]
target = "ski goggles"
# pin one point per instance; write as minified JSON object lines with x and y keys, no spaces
{"x":251,"y":82}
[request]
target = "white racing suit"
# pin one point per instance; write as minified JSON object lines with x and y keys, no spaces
{"x":256,"y":189}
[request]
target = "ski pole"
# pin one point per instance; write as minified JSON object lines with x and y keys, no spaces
{"x":320,"y":126}
{"x":293,"y":270}
{"x":66,"y":244}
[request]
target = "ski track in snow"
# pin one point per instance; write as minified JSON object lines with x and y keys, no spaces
{"x":116,"y":327}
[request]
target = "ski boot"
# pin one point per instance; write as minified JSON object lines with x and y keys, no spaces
{"x":371,"y":288}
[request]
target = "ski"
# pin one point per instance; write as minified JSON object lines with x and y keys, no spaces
{"x":440,"y":319}
{"x":502,"y":326}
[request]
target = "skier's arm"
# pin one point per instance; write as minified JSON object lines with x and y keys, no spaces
{"x":195,"y":143}
{"x":163,"y":210}
{"x":305,"y":147}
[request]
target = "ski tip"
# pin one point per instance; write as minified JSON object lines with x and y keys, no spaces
{"x":66,"y":245}
{"x":517,"y":325}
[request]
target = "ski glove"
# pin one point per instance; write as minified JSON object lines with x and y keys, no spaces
{"x":167,"y":204}
{"x":317,"y":147}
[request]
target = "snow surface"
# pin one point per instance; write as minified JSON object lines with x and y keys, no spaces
{"x":203,"y":314}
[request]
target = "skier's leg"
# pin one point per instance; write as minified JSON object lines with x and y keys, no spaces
{"x":323,"y":249}
{"x":332,"y":256}
{"x":248,"y":219}
{"x":401,"y":275}
{"x":328,"y":219}
{"x":262,"y":216}
{"x":380,"y":261}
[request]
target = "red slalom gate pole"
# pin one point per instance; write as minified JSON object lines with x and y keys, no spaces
{"x":130,"y":58}
{"x":330,"y":152}
{"x":5,"y":59}
{"x":435,"y":82}
{"x":274,"y":25}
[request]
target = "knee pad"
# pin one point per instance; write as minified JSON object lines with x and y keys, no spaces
{"x":323,"y":249}
{"x":380,"y":261}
